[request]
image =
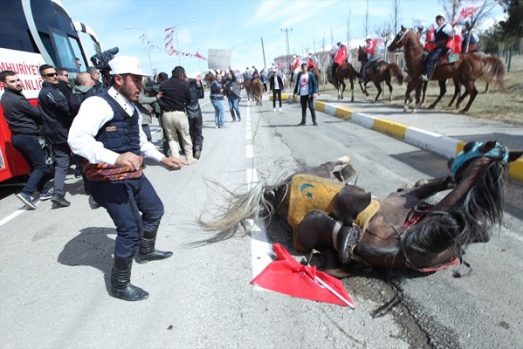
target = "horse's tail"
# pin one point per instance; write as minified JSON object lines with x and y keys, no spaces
{"x":354,"y":72}
{"x":394,"y":70}
{"x":238,"y":207}
{"x":497,"y":70}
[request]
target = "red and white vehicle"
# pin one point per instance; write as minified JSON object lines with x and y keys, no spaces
{"x":34,"y":32}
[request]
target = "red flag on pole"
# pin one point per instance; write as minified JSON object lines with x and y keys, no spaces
{"x":286,"y":275}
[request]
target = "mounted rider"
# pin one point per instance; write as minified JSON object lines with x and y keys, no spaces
{"x":339,"y":56}
{"x":247,"y":74}
{"x":423,"y":32}
{"x":442,"y":33}
{"x":255,"y":73}
{"x":474,"y":39}
{"x":373,"y":56}
{"x":313,"y":61}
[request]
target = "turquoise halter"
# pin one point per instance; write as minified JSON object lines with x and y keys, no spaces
{"x":498,"y":152}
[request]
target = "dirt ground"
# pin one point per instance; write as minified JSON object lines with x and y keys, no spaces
{"x":494,"y":105}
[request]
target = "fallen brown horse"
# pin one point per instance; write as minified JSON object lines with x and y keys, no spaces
{"x":400,"y":231}
{"x":346,"y":71}
{"x":381,"y":71}
{"x":466,"y":70}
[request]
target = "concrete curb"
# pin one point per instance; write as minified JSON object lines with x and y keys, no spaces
{"x":431,"y":141}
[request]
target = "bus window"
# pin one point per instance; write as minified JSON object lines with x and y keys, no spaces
{"x":13,"y":27}
{"x":62,"y":47}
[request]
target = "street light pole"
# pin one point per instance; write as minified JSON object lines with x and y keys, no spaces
{"x":287,"y":30}
{"x":177,"y":44}
{"x":148,"y":46}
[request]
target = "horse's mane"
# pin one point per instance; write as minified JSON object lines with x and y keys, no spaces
{"x":467,"y":223}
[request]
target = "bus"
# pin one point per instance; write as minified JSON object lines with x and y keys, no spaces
{"x":32,"y":33}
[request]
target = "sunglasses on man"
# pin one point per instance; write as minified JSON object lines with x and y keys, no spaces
{"x":50,"y":75}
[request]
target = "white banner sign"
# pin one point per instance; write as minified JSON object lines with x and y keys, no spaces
{"x":219,"y":59}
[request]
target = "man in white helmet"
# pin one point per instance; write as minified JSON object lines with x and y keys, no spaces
{"x":107,"y":132}
{"x":442,"y":33}
{"x":372,"y":56}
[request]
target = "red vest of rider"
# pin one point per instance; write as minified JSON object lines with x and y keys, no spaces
{"x":371,"y":46}
{"x":453,"y":43}
{"x":341,"y":56}
{"x":296,"y":64}
{"x":311,"y":64}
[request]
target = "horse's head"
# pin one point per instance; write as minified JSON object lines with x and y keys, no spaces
{"x":487,"y":152}
{"x":362,"y":53}
{"x":399,"y":40}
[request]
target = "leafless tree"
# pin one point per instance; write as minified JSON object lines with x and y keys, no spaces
{"x":366,"y":24}
{"x":385,"y":32}
{"x":482,"y":13}
{"x":450,"y":7}
{"x":394,"y":16}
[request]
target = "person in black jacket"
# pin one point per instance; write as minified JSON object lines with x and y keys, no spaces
{"x":276,"y":86}
{"x":194,"y":113}
{"x":233,"y":94}
{"x":56,"y":119}
{"x":24,"y":123}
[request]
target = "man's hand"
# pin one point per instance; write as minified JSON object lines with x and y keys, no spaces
{"x":173,"y":163}
{"x":159,"y":95}
{"x":130,"y":160}
{"x":314,"y":95}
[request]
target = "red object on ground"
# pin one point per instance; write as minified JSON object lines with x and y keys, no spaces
{"x":286,"y":275}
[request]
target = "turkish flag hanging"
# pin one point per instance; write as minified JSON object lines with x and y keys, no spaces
{"x":286,"y":275}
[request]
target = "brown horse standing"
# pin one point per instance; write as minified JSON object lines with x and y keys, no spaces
{"x":257,"y":90}
{"x":247,"y":86}
{"x":401,"y":231}
{"x":346,"y":71}
{"x":382,"y":71}
{"x":467,"y":69}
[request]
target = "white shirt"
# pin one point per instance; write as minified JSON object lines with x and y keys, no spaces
{"x":304,"y":84}
{"x":94,"y":113}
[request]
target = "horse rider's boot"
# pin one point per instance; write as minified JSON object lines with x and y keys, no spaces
{"x":121,"y":286}
{"x":146,"y":252}
{"x":350,"y":202}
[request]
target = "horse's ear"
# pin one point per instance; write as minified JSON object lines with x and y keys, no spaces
{"x":514,"y":155}
{"x":403,"y":28}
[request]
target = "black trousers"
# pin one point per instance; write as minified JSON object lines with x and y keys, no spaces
{"x":307,"y":101}
{"x":274,"y":93}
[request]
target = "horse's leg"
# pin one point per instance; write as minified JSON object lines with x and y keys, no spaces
{"x":387,"y":81}
{"x":424,"y":89}
{"x":351,"y":89}
{"x":457,"y":89}
{"x":378,"y":87}
{"x":410,"y":87}
{"x":471,"y":88}
{"x":442,"y":91}
{"x":424,"y":188}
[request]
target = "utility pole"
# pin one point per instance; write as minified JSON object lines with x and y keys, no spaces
{"x":263,"y":50}
{"x":287,"y":30}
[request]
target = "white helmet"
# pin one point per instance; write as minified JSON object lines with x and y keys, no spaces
{"x":441,"y":14}
{"x":310,"y":52}
{"x":368,"y":37}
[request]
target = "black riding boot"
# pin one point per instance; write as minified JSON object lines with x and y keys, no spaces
{"x":121,"y":281}
{"x":146,"y":252}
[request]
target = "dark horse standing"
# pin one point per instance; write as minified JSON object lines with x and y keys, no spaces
{"x":465,"y":71}
{"x":345,"y":71}
{"x":381,"y":71}
{"x":401,"y":231}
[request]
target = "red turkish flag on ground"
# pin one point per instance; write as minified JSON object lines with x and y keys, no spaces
{"x":286,"y":275}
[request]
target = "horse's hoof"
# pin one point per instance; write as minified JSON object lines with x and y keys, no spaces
{"x":405,"y":109}
{"x":431,"y":107}
{"x":352,"y":100}
{"x":463,"y":111}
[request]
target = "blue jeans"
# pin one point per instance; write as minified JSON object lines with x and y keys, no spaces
{"x":134,"y":208}
{"x":219,"y":112}
{"x":233,"y":107}
{"x":432,"y":58}
{"x":34,"y":155}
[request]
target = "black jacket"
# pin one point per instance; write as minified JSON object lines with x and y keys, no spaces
{"x":21,"y":116}
{"x":56,"y":118}
{"x":193,"y":108}
{"x":176,"y":95}
{"x":271,"y":82}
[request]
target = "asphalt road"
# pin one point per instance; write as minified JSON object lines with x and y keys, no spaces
{"x":55,"y":264}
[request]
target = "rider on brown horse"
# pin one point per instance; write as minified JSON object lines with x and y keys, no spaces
{"x":373,"y":56}
{"x":442,"y":33}
{"x":312,"y":62}
{"x":339,"y":56}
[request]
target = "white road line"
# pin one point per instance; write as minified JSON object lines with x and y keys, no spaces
{"x":261,"y":249}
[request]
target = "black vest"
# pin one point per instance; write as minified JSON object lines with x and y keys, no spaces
{"x":122,"y":133}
